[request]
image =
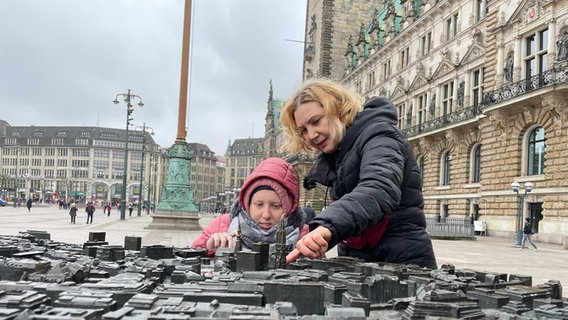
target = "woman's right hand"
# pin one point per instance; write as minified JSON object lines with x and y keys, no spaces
{"x":221,"y":239}
{"x":313,"y":245}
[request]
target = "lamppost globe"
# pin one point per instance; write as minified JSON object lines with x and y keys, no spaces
{"x":515,"y":186}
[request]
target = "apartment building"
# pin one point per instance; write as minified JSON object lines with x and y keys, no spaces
{"x":50,"y":163}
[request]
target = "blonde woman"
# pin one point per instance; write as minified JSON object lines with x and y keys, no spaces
{"x":377,"y":206}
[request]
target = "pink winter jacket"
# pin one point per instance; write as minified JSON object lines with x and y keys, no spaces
{"x":275,"y":169}
{"x":221,"y":224}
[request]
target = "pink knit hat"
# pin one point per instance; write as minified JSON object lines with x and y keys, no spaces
{"x":278,"y":175}
{"x":272,"y":184}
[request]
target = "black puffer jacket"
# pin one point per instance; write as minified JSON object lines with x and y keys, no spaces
{"x":374,"y":174}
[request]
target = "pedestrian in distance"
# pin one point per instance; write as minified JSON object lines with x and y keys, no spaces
{"x":90,"y":209}
{"x":73,"y":212}
{"x":309,"y":211}
{"x":376,"y":211}
{"x":29,"y":204}
{"x":270,"y":193}
{"x":130,"y":208}
{"x":108,"y":207}
{"x":528,"y":231}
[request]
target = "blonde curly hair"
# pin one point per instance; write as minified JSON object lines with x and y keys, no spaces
{"x":340,"y":106}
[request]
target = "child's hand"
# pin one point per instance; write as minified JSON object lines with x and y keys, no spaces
{"x":221,"y":239}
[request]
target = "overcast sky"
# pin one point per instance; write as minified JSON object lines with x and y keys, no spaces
{"x":62,"y":62}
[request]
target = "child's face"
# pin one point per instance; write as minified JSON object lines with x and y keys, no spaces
{"x":266,"y":208}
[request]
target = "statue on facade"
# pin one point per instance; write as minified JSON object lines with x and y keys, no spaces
{"x":409,"y":9}
{"x":461,"y":90}
{"x":562,"y":47}
{"x":409,"y":116}
{"x":509,"y":65}
{"x":433,"y":105}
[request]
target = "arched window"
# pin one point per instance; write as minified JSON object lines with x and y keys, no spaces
{"x":535,"y":152}
{"x":446,"y":166}
{"x":475,"y":172}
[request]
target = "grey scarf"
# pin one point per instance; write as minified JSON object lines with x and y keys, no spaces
{"x":251,"y":233}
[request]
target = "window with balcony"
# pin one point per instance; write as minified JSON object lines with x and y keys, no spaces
{"x":536,"y":53}
{"x":477,"y":87}
{"x":401,"y":112}
{"x":447,"y":98}
{"x":422,"y":105}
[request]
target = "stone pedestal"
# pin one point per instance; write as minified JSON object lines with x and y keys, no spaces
{"x":176,"y":210}
{"x":175,"y":220}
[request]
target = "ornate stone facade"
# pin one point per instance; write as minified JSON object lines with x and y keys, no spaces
{"x":481,"y":90}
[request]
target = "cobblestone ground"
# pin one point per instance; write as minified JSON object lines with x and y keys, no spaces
{"x":493,"y":254}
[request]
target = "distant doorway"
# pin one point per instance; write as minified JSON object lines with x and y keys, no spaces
{"x":535,"y":211}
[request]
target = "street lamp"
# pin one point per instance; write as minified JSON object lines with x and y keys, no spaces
{"x":140,"y":192}
{"x":149,"y":183}
{"x":521,"y":199}
{"x":17,"y":182}
{"x":128,"y":97}
{"x":152,"y":181}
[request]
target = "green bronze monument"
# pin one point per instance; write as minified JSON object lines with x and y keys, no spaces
{"x":176,"y":210}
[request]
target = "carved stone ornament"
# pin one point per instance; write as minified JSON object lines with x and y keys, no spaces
{"x":557,"y":107}
{"x":532,"y":12}
{"x":451,"y":137}
{"x":528,"y":113}
{"x":499,"y":120}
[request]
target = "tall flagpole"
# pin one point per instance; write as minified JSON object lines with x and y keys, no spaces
{"x":176,"y":209}
{"x":181,"y":133}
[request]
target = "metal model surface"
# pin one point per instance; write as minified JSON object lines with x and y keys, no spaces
{"x":43,"y":279}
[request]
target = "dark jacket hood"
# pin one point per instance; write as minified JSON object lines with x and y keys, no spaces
{"x":375,"y":109}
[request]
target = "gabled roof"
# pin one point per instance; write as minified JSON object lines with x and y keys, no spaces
{"x":443,"y":68}
{"x":419,"y":81}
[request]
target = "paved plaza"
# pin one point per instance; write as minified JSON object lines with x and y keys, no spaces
{"x":486,"y":253}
